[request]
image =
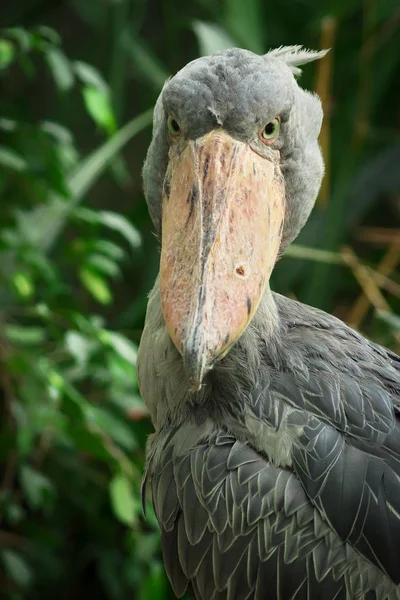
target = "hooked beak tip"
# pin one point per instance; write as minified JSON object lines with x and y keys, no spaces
{"x":195,"y":360}
{"x":194,"y":386}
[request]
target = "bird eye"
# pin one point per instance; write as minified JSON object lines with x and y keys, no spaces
{"x":271,"y":130}
{"x":173,"y":127}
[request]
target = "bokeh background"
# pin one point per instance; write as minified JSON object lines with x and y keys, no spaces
{"x":78,"y":82}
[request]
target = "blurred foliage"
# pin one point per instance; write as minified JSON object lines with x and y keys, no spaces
{"x":78,"y":82}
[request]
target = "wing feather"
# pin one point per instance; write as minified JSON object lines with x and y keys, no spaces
{"x":245,"y":528}
{"x":343,"y":395}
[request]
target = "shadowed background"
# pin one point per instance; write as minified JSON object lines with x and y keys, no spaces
{"x":78,"y":82}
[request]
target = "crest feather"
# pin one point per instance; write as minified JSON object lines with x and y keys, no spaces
{"x":294,"y":56}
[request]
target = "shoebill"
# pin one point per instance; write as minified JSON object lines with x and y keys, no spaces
{"x":275,"y":463}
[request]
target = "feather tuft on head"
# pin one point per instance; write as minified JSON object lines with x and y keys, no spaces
{"x":294,"y":56}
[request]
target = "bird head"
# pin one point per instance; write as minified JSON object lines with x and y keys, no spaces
{"x":230,"y":178}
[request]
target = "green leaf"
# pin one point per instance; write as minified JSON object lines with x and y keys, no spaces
{"x":103,"y":264}
{"x":78,"y":346}
{"x":90,"y":76}
{"x":90,"y":169}
{"x":55,"y":214}
{"x":7,"y":53}
{"x":122,"y":499}
{"x":56,"y":384}
{"x":43,"y":310}
{"x":110,"y":249}
{"x":86,"y":214}
{"x":96,"y":285}
{"x":122,"y":345}
{"x":37,"y":488}
{"x":120,"y":373}
{"x":117,"y":428}
{"x":211,"y":38}
{"x":14,"y":513}
{"x":128,"y":403}
{"x":8,"y":124}
{"x":50,"y":34}
{"x":57,"y":131}
{"x":40,"y":265}
{"x":87,"y":441}
{"x":12,"y":160}
{"x":121,"y":224}
{"x":17,"y":568}
{"x":99,"y":107}
{"x":60,"y":68}
{"x":23,"y":285}
{"x":20,"y":35}
{"x":25,"y":336}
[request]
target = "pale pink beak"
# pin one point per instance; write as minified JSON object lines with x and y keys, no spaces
{"x":223,"y":213}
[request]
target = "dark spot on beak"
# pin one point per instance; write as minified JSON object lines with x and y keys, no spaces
{"x":240,"y":271}
{"x":248,"y":306}
{"x":192,"y":197}
{"x":226,"y":339}
{"x":167,"y":187}
{"x":206,"y":166}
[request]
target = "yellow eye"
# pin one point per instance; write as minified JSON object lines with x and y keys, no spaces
{"x":271,"y":130}
{"x":173,"y":127}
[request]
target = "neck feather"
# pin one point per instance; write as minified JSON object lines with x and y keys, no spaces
{"x":163,"y":382}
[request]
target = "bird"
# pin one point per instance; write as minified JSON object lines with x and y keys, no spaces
{"x":274,"y":466}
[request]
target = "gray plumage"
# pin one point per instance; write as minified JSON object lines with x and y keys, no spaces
{"x":280,"y":477}
{"x":242,"y":90}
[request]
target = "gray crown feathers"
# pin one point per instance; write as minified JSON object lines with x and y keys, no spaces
{"x":294,"y":56}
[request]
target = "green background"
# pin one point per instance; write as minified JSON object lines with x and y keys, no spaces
{"x":78,"y":80}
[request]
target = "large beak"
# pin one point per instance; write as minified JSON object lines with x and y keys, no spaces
{"x":223,"y":210}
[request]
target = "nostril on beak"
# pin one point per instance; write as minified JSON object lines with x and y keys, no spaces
{"x":240,"y":271}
